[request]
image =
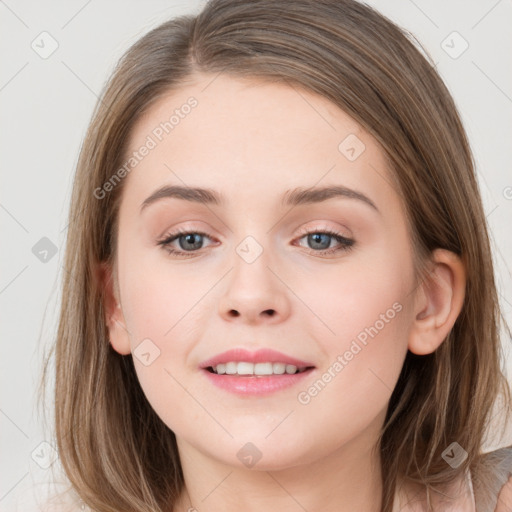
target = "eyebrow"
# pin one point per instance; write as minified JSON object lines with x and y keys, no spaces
{"x":295,"y":197}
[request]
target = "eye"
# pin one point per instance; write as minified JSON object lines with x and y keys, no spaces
{"x":189,"y":242}
{"x":321,"y":239}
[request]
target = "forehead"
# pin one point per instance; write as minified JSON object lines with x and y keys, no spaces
{"x":254,"y":137}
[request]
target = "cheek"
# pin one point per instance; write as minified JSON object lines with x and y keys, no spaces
{"x":162,"y":309}
{"x":350,"y":300}
{"x":161,"y":320}
{"x":151,"y":307}
{"x":157,"y":297}
{"x":364,"y":341}
{"x":363,"y":327}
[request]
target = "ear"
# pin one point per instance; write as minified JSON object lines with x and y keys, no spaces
{"x":114,"y":319}
{"x":438,"y":302}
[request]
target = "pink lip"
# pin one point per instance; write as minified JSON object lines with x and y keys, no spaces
{"x":252,"y":384}
{"x":255,"y":385}
{"x":260,"y":356}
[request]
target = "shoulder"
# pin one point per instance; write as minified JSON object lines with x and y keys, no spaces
{"x":454,"y":496}
{"x":486,"y":488}
{"x":504,"y":503}
{"x":492,"y":481}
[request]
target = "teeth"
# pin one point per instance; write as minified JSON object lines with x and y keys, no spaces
{"x":263,"y":369}
{"x":290,"y":368}
{"x":279,"y":368}
{"x":231,"y":368}
{"x":244,"y":368}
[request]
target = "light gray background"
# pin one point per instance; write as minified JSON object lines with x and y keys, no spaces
{"x":45,"y":108}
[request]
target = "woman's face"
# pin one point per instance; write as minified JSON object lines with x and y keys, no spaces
{"x":248,"y":276}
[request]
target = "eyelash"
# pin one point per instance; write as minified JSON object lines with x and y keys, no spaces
{"x":346,"y":243}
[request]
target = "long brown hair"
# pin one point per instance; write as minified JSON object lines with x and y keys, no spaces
{"x":115,"y":450}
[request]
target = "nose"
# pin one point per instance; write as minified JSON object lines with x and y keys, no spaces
{"x":255,"y":293}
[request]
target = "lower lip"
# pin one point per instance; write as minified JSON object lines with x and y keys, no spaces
{"x":256,"y":385}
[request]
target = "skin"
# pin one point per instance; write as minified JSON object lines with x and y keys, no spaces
{"x":252,"y":141}
{"x":504,"y":502}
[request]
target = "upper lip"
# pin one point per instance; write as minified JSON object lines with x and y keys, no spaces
{"x":258,"y":356}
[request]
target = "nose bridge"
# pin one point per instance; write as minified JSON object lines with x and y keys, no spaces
{"x":254,"y":291}
{"x":251,"y":273}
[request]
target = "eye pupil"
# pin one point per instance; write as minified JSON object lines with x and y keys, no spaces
{"x":190,"y":239}
{"x":315,"y":238}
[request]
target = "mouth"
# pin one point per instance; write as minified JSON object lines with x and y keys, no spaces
{"x":257,"y":370}
{"x":263,"y":372}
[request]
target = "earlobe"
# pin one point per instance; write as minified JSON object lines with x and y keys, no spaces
{"x":438,"y":302}
{"x":114,"y":318}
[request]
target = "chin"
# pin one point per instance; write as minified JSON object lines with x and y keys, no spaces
{"x":266,"y":454}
